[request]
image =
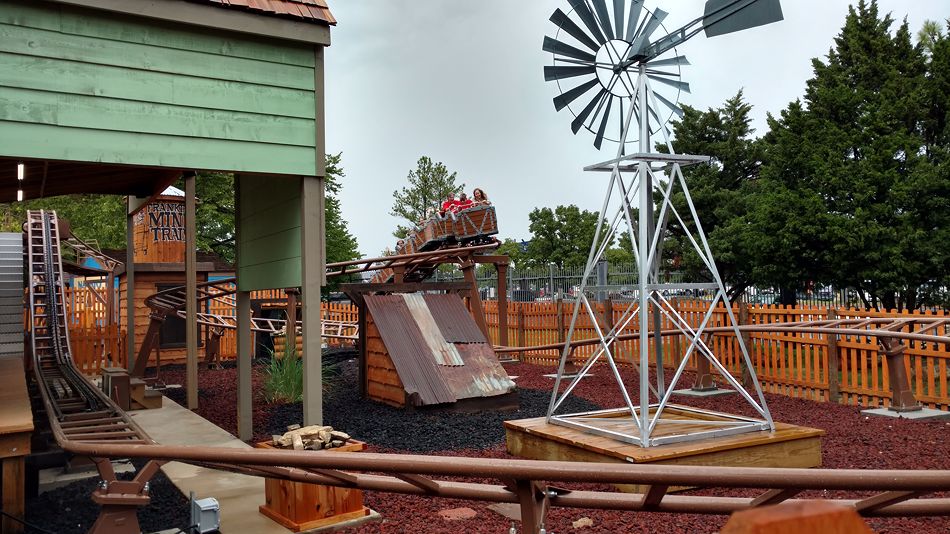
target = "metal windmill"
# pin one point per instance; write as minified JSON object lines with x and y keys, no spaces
{"x":612,"y":74}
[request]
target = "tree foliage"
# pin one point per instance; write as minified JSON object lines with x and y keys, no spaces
{"x":718,"y":191}
{"x":852,"y":192}
{"x":561,"y":236}
{"x":429,"y":184}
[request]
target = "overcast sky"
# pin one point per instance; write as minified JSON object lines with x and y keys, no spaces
{"x":462,"y":83}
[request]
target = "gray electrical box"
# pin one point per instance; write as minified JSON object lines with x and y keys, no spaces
{"x":205,"y":515}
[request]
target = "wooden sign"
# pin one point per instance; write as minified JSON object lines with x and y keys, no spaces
{"x":159,"y":231}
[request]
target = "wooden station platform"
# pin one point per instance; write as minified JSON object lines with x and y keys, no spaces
{"x":788,"y":446}
{"x":16,"y":427}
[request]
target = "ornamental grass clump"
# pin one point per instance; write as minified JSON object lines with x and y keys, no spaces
{"x":284,"y":383}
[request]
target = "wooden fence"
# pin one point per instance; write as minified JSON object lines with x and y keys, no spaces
{"x":846,"y":369}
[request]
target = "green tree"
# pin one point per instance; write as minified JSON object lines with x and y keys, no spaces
{"x":561,"y":236}
{"x":341,"y":244}
{"x":928,"y":35}
{"x":719,"y":191}
{"x":428,"y":186}
{"x":99,"y":218}
{"x":847,"y":194}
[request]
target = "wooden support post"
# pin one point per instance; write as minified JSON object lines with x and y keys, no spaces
{"x":313,"y":274}
{"x":704,"y":378}
{"x":245,"y":356}
{"x":14,"y":495}
{"x":902,"y":396}
{"x":130,"y":289}
{"x":502,"y":304}
{"x":559,"y":320}
{"x":292,"y":315}
{"x":834,"y":363}
{"x":110,"y":301}
{"x":608,"y":314}
{"x":149,"y":343}
{"x":475,"y":300}
{"x":191,"y":303}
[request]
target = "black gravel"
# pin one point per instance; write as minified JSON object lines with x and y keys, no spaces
{"x":70,"y":510}
{"x":418,"y":431}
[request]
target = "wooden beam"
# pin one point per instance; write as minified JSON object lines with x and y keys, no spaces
{"x":191,"y":304}
{"x":245,"y":356}
{"x":312,"y":272}
{"x":130,"y":286}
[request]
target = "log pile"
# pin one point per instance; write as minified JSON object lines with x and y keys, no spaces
{"x":312,"y":438}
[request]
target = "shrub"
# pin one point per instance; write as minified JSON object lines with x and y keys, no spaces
{"x":284,"y":383}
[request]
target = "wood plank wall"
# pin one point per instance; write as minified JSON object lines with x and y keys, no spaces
{"x":87,"y":85}
{"x":382,"y":380}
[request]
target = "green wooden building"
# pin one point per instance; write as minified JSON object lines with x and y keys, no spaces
{"x":126,"y":96}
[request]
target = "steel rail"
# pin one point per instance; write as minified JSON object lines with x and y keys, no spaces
{"x":901,"y":491}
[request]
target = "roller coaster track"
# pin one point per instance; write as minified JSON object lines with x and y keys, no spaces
{"x":87,"y":422}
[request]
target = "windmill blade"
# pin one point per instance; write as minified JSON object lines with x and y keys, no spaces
{"x":678,"y":61}
{"x":618,"y":18}
{"x":682,"y":86}
{"x":587,"y":17}
{"x":642,"y":39}
{"x":636,"y":7}
{"x":601,"y":7}
{"x":666,"y":102}
{"x":559,"y":73}
{"x":557,"y":47}
{"x":561,"y":101}
{"x":578,"y":121}
{"x":565,"y":23}
{"x":727,"y":16}
{"x":599,"y":139}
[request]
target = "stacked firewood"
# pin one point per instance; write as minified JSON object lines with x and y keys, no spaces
{"x":313,"y":438}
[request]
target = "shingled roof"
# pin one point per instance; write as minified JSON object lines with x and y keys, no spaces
{"x":315,"y":11}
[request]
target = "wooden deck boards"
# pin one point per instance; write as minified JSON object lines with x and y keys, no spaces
{"x":788,"y":446}
{"x":16,"y":427}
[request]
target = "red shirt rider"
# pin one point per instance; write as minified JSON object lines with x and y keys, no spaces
{"x":450,"y":204}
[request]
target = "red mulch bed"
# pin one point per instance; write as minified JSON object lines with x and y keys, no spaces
{"x":852,"y":441}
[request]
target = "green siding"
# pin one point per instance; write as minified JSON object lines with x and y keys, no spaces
{"x":269,"y":240}
{"x":81,"y":85}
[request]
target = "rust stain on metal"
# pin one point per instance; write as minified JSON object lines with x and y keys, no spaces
{"x":454,"y":320}
{"x":408,"y":350}
{"x":482,"y":375}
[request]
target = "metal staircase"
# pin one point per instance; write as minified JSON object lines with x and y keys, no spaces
{"x":11,"y":295}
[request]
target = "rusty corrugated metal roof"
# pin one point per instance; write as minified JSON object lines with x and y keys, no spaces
{"x":308,"y":10}
{"x":481,"y":376}
{"x":454,"y":320}
{"x":443,"y":352}
{"x":408,"y":350}
{"x":415,"y":348}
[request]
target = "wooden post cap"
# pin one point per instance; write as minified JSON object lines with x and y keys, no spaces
{"x":814,"y":517}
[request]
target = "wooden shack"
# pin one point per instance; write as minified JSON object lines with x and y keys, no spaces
{"x":422,"y":349}
{"x":159,"y":252}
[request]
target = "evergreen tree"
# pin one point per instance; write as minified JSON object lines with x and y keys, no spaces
{"x":428,"y":186}
{"x":719,"y":191}
{"x":847,"y":194}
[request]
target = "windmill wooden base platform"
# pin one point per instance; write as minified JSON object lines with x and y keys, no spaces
{"x":788,"y":446}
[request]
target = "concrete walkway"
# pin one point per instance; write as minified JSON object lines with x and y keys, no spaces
{"x":238,"y":495}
